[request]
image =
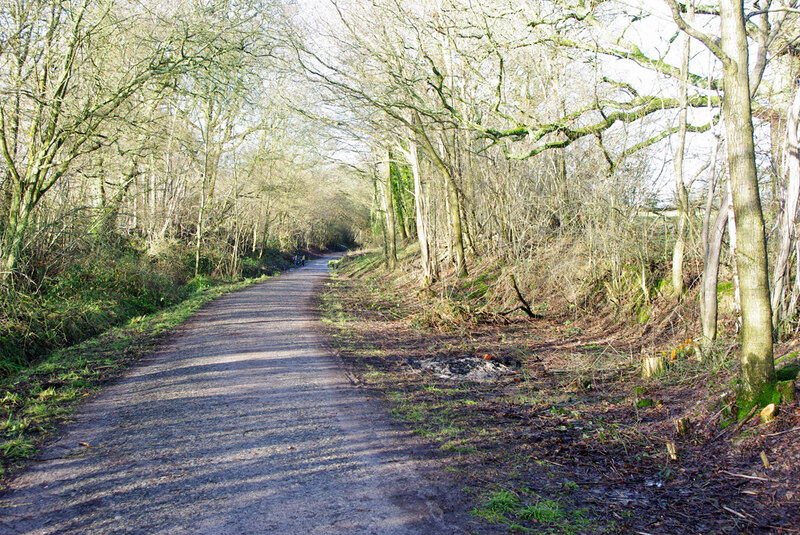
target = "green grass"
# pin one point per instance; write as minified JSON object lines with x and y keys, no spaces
{"x":19,"y":447}
{"x":33,"y":400}
{"x":498,"y":506}
{"x":516,"y":509}
{"x":544,"y":511}
{"x":459,"y":446}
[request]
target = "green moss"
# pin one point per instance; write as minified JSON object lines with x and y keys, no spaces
{"x":784,"y":358}
{"x":788,"y":372}
{"x":769,"y":394}
{"x":725,"y":288}
{"x":787,"y":391}
{"x":747,"y":400}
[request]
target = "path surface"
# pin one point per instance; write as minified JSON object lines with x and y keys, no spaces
{"x":241,"y":423}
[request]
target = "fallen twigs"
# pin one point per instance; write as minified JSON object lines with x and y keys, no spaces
{"x":744,"y":476}
{"x":739,"y":425}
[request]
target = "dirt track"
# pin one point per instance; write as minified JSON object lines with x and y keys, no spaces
{"x":241,"y":423}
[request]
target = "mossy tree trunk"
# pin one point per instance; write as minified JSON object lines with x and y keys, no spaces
{"x":387,"y":199}
{"x":758,"y":368}
{"x":751,"y":254}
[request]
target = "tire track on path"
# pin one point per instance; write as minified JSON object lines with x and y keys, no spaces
{"x":240,"y":423}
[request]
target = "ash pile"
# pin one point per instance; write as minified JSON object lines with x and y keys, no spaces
{"x":467,"y":367}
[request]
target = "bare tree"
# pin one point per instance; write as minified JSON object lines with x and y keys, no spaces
{"x":67,"y":72}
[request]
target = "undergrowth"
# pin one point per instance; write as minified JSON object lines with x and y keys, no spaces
{"x":97,"y":290}
{"x":576,"y":418}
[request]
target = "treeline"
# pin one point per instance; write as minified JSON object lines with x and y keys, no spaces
{"x":145,"y":148}
{"x":626,"y":150}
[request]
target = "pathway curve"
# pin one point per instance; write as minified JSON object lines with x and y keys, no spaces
{"x":240,"y":423}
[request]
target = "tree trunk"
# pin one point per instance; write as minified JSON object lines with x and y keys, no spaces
{"x":453,"y":204}
{"x":23,"y":202}
{"x":712,"y":249}
{"x":470,"y":245}
{"x":421,"y":206}
{"x":397,"y":199}
{"x":201,"y":215}
{"x":562,"y":186}
{"x":385,"y":183}
{"x":681,"y":195}
{"x":678,"y":253}
{"x":712,"y":182}
{"x":732,"y":240}
{"x":708,"y":303}
{"x":751,"y":254}
{"x":792,"y":308}
{"x":788,"y":215}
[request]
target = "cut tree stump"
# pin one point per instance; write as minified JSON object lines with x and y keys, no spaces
{"x":672,"y":450}
{"x":768,"y":413}
{"x":682,"y":426}
{"x":787,"y":391}
{"x":653,"y":366}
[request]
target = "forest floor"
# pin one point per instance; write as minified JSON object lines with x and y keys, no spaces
{"x":571,"y":439}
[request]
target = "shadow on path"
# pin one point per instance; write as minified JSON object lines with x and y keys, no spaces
{"x":239,"y":423}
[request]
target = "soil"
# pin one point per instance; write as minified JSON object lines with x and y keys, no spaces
{"x":575,"y":424}
{"x":241,"y":422}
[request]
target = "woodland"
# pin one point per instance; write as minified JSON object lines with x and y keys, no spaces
{"x":151,"y":149}
{"x":615,"y":151}
{"x":630,"y":160}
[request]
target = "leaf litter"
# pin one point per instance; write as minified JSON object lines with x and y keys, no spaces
{"x":568,"y":423}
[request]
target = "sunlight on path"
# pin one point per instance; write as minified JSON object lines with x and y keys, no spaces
{"x":241,"y":423}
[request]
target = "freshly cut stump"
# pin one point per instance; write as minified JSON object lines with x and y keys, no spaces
{"x":653,"y":366}
{"x":682,"y":426}
{"x":768,"y":413}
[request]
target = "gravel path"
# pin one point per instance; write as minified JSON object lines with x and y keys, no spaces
{"x":241,"y":423}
